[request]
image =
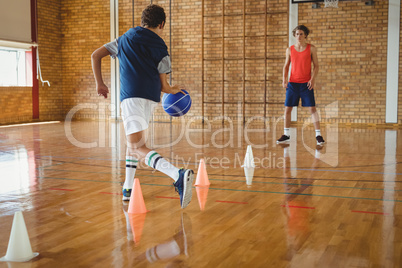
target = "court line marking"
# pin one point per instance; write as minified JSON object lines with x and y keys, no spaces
{"x":231,"y":202}
{"x":263,"y":182}
{"x":196,"y":164}
{"x":111,"y":193}
{"x":309,"y":185}
{"x":287,"y":206}
{"x":370,"y":212}
{"x":59,"y":189}
{"x":288,"y":193}
{"x":251,"y":191}
{"x":167,"y":197}
{"x":214,"y":174}
{"x":350,"y":171}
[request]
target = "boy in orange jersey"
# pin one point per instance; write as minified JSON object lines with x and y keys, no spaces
{"x":301,"y":82}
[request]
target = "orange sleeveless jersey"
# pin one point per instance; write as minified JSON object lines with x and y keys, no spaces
{"x":301,"y":65}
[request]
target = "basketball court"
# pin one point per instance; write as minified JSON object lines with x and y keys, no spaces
{"x":256,"y":203}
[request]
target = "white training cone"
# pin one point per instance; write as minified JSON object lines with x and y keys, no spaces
{"x":249,"y":158}
{"x":19,"y":248}
{"x":249,"y":172}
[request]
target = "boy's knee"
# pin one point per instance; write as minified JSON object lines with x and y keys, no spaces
{"x":313,"y":110}
{"x":133,"y":151}
{"x":288,"y":110}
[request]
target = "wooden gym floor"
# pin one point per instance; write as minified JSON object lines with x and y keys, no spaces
{"x":339,"y":206}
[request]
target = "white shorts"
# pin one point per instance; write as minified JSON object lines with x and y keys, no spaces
{"x":136,"y":113}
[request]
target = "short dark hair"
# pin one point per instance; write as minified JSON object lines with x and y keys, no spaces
{"x":152,"y":16}
{"x":303,"y":28}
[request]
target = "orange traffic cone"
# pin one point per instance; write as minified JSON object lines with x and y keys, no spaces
{"x":202,"y":176}
{"x":137,"y":225}
{"x":137,"y":205}
{"x":202,"y":195}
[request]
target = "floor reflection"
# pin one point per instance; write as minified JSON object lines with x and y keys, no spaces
{"x":14,"y":166}
{"x":168,"y":251}
{"x":202,"y":196}
{"x":301,"y":211}
{"x":297,"y":205}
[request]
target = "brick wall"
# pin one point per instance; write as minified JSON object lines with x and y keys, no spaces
{"x":50,"y":42}
{"x":85,"y":27}
{"x":182,"y":39}
{"x":17,"y":105}
{"x":184,"y":42}
{"x":351,"y":42}
{"x":18,"y":100}
{"x":252,"y":59}
{"x":352,"y":53}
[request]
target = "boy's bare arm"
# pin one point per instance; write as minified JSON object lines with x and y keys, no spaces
{"x":285,"y":70}
{"x":166,"y":88}
{"x":96,"y":59}
{"x":314,"y":58}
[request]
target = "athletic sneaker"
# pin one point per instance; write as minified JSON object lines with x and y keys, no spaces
{"x":283,"y":139}
{"x":126,"y":194}
{"x":184,"y":186}
{"x":320,"y":140}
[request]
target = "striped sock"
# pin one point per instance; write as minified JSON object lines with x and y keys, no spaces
{"x":154,"y":160}
{"x":317,"y":132}
{"x":131,"y":167}
{"x":286,"y":131}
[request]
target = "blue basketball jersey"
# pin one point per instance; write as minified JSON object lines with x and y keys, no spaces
{"x":140,"y":51}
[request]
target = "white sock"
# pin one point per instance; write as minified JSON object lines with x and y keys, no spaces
{"x":286,"y":152}
{"x":317,"y":154}
{"x":287,"y":132}
{"x":154,"y":160}
{"x":317,"y":132}
{"x":131,"y":167}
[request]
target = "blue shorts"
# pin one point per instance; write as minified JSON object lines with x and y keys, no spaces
{"x":297,"y":91}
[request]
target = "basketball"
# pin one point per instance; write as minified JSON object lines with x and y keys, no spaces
{"x":176,"y":104}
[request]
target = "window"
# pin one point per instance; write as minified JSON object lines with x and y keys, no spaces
{"x":15,"y":67}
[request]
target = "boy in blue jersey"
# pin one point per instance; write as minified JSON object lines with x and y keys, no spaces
{"x":144,"y":65}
